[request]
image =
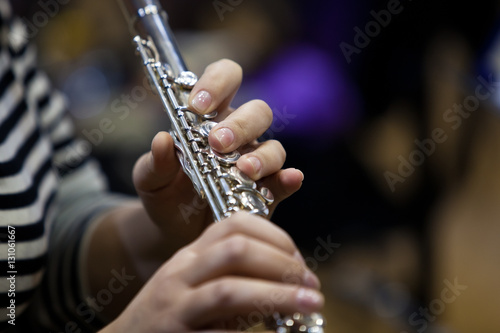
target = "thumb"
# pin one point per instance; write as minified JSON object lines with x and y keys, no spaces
{"x":156,"y":169}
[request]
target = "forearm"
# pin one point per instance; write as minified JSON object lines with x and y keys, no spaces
{"x":123,"y":250}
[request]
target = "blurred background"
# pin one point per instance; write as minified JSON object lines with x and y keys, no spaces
{"x":390,"y":108}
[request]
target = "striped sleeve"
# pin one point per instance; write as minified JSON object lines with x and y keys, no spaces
{"x":80,"y":199}
{"x":51,"y":192}
{"x":27,"y":181}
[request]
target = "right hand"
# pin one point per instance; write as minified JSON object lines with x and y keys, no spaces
{"x":238,"y":270}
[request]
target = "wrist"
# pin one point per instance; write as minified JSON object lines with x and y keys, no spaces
{"x":121,"y":241}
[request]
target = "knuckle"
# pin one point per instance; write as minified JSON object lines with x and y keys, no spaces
{"x":225,"y":65}
{"x":264,"y":108}
{"x":239,"y":127}
{"x":222,"y":292}
{"x":235,"y":248}
{"x":279,"y":149}
{"x":231,"y":65}
{"x":212,"y":66}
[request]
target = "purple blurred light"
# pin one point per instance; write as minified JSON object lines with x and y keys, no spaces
{"x":309,"y":93}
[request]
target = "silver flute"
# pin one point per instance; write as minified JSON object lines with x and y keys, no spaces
{"x":214,"y":175}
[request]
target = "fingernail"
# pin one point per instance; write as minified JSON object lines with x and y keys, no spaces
{"x":311,"y":280}
{"x":225,"y":136}
{"x":202,"y":101}
{"x":309,"y":299}
{"x":255,"y":162}
{"x":301,"y":174}
{"x":154,"y":142}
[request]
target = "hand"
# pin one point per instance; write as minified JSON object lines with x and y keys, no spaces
{"x":235,"y":273}
{"x":167,"y":193}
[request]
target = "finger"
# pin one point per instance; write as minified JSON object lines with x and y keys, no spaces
{"x":157,"y":168}
{"x":283,"y":184}
{"x":266,"y":159}
{"x":216,"y":87}
{"x":244,"y":256}
{"x":242,"y":126}
{"x":164,"y":187}
{"x":235,"y":296}
{"x":250,"y":225}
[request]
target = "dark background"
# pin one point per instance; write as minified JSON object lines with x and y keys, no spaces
{"x":348,"y":120}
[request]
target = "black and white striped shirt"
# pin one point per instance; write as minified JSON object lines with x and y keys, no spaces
{"x":49,"y":195}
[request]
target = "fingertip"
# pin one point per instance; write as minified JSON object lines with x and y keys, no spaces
{"x":250,"y":165}
{"x":310,"y":300}
{"x":291,"y":179}
{"x":154,"y":169}
{"x":221,"y":138}
{"x":284,"y":183}
{"x":161,"y":146}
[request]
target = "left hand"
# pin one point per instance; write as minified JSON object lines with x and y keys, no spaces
{"x":168,"y":194}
